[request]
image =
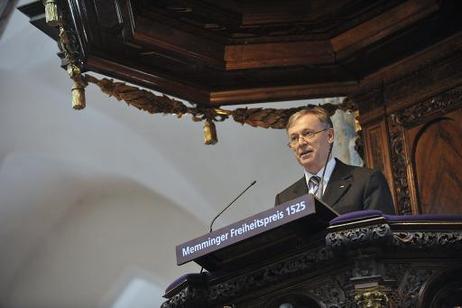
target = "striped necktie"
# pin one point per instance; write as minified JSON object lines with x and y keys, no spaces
{"x":313,"y":185}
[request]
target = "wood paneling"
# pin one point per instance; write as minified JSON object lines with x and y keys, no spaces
{"x":437,"y":159}
{"x":377,"y":156}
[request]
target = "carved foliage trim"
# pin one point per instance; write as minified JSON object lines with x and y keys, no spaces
{"x":358,"y":236}
{"x":440,"y":104}
{"x":451,"y":240}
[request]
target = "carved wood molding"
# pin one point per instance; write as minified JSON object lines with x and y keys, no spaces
{"x":411,"y":285}
{"x":193,"y":296}
{"x":438,"y":105}
{"x":399,"y":172}
{"x":398,"y":122}
{"x":432,"y":71}
{"x":355,"y":237}
{"x":333,"y":291}
{"x":382,"y":233}
{"x":266,"y":276}
{"x":69,"y":42}
{"x":451,"y":240}
{"x":401,"y":280}
{"x":434,"y":75}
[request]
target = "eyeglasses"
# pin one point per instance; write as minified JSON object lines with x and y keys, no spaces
{"x":305,"y":135}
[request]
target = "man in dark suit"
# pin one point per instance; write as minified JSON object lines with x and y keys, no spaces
{"x":345,"y":188}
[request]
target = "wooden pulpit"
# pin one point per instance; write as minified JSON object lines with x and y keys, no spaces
{"x":359,"y":259}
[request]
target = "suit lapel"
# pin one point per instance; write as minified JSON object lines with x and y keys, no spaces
{"x":299,"y":189}
{"x":339,"y":183}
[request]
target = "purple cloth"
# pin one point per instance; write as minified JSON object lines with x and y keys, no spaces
{"x":360,"y":215}
{"x":192,"y":277}
{"x":424,"y":217}
{"x":356,"y":215}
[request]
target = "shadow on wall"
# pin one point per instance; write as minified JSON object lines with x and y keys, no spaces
{"x":113,"y":246}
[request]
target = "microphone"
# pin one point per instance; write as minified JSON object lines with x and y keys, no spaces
{"x":226,"y":207}
{"x":231,"y":203}
{"x":324,"y":171}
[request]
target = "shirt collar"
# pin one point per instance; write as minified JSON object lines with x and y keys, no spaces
{"x":329,"y":169}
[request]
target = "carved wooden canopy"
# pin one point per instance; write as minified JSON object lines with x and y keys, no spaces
{"x":245,"y":51}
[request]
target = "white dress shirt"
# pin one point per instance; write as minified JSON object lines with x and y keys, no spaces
{"x":329,"y":168}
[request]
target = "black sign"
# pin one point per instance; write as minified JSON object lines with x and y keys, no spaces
{"x":246,"y":228}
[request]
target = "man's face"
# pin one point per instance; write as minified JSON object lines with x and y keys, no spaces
{"x":311,"y":152}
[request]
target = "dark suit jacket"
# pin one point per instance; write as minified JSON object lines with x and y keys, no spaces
{"x":349,"y":189}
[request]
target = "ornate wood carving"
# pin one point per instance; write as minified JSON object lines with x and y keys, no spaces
{"x":331,"y":291}
{"x":69,"y":43}
{"x":398,"y":157}
{"x":430,"y":77}
{"x":355,"y":237}
{"x":372,"y":297}
{"x":411,"y":285}
{"x":443,"y":289}
{"x":419,"y":113}
{"x":452,"y":240}
{"x":378,"y":263}
{"x":274,"y":273}
{"x":424,"y":111}
{"x":188,"y":297}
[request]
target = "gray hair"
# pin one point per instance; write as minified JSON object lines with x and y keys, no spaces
{"x":320,"y":113}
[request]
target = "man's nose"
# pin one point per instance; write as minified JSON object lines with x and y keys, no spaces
{"x":302,"y":141}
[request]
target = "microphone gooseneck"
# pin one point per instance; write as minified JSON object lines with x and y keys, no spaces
{"x":324,"y":171}
{"x":231,"y":203}
{"x":226,"y":207}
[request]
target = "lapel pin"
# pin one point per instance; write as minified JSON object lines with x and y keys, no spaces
{"x":342,"y":186}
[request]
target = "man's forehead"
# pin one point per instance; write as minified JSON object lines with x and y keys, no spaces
{"x":306,"y":121}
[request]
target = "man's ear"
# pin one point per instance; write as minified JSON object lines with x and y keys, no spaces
{"x":330,"y":135}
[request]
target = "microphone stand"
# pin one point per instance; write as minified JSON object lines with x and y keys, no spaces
{"x":226,"y":207}
{"x":231,"y":203}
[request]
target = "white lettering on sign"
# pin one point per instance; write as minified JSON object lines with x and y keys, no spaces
{"x":209,"y":242}
{"x":244,"y":229}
